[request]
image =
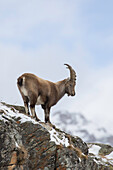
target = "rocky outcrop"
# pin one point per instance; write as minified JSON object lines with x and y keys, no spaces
{"x":26,"y":144}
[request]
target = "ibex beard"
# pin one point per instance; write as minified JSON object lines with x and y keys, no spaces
{"x":37,"y":91}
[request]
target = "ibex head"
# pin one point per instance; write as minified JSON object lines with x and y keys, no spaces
{"x":71,"y":82}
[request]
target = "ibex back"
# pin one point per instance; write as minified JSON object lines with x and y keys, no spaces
{"x":37,"y":91}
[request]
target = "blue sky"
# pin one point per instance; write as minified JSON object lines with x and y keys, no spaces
{"x":39,"y":36}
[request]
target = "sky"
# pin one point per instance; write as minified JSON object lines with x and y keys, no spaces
{"x":39,"y":36}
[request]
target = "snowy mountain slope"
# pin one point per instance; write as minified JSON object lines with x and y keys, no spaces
{"x":76,"y":124}
{"x":73,"y":123}
{"x":7,"y":113}
{"x":28,"y":144}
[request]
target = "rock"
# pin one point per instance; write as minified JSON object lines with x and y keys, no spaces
{"x":26,"y":144}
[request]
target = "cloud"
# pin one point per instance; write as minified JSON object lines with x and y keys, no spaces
{"x":22,"y":18}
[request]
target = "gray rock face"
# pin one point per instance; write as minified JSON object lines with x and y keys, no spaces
{"x":26,"y":144}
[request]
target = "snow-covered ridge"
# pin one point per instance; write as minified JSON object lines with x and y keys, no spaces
{"x":60,"y":138}
{"x":11,"y":114}
{"x":57,"y":136}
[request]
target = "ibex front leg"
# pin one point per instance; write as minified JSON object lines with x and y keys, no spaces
{"x":32,"y":107}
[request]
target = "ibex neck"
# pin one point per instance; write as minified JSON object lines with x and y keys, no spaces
{"x":61,"y":88}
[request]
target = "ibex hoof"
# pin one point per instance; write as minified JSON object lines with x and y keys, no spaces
{"x":33,"y":117}
{"x":37,"y":119}
{"x":47,"y":121}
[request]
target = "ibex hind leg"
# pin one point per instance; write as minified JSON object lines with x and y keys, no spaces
{"x":33,"y":100}
{"x":26,"y":105}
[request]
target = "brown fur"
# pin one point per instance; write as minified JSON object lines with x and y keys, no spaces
{"x":48,"y":92}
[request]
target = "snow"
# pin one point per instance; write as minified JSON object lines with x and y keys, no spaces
{"x":98,"y":162}
{"x":17,"y":145}
{"x":1,"y":118}
{"x":94,"y":149}
{"x":9,"y":113}
{"x":54,"y":135}
{"x":110,"y":156}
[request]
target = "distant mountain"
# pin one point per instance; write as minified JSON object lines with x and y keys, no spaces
{"x":77,"y":125}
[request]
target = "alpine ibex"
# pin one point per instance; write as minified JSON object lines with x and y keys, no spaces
{"x":37,"y":91}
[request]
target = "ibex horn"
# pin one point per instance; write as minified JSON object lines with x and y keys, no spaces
{"x":72,"y":72}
